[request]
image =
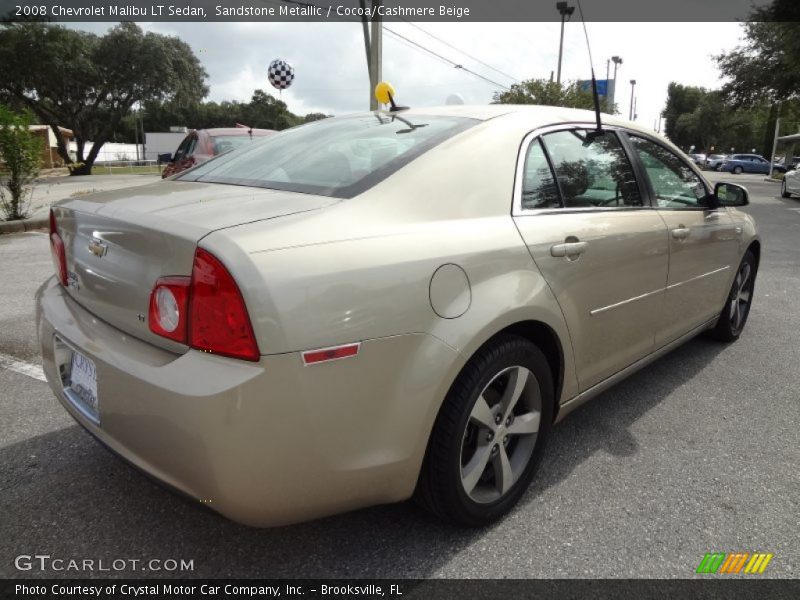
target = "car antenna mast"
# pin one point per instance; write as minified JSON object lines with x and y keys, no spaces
{"x":595,"y":95}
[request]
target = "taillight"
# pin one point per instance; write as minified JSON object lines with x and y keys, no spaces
{"x":58,"y":251}
{"x":218,"y":319}
{"x":169,"y":308}
{"x":205,"y":311}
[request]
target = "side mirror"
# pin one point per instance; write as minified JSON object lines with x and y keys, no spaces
{"x":165,"y":158}
{"x":731,"y":194}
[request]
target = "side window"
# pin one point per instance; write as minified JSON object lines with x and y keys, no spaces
{"x":674,"y":182}
{"x":539,"y":188}
{"x":192,"y":146}
{"x":592,"y":170}
{"x":180,"y":153}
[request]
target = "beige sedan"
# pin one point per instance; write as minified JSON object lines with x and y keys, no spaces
{"x":374,"y":307}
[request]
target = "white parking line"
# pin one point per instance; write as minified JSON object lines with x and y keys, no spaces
{"x":12,"y":364}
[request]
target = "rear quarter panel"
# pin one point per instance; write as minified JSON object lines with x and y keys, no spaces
{"x":362,"y":269}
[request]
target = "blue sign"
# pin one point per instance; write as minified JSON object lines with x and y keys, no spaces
{"x":603,"y":86}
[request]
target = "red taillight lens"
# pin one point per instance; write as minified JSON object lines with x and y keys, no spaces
{"x":218,"y":319}
{"x":58,"y":251}
{"x":169,"y":308}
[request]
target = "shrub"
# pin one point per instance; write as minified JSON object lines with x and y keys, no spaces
{"x":20,"y":151}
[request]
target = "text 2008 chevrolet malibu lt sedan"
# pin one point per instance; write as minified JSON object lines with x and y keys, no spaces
{"x":374,"y":307}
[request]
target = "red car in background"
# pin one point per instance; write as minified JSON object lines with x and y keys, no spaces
{"x":201,"y":145}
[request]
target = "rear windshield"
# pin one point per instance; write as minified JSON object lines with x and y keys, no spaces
{"x":338,"y":157}
{"x":226,"y":143}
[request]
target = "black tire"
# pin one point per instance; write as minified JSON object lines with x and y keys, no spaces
{"x":737,"y":170}
{"x":441,"y":486}
{"x":784,"y":193}
{"x":731,"y":323}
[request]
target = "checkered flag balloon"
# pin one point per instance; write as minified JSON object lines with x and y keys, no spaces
{"x":280,"y":74}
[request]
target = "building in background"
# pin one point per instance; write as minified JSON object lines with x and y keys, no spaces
{"x":50,"y":156}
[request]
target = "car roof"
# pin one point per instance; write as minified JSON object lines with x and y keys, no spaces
{"x":529,"y":116}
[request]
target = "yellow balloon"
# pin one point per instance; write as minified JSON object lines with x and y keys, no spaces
{"x":382,"y":92}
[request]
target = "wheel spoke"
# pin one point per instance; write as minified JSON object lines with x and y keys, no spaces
{"x":525,"y":424}
{"x":744,"y":296}
{"x":733,"y":309}
{"x":503,"y":476}
{"x":482,"y":414}
{"x":744,"y":275}
{"x":516,"y":384}
{"x":472,"y":471}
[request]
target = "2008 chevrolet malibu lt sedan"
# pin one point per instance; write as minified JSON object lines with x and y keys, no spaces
{"x":394,"y":304}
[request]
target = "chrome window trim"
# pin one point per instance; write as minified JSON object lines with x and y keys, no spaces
{"x":530,"y":137}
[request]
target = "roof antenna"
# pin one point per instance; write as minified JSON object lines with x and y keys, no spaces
{"x":594,"y":80}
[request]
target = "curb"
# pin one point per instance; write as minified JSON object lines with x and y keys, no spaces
{"x":24,"y":224}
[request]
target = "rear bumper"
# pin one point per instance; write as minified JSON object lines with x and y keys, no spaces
{"x":265,"y":443}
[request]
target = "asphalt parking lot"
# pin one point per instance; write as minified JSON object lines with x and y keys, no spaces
{"x":697,"y":453}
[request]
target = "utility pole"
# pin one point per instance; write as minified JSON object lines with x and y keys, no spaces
{"x":565,"y":10}
{"x":373,"y":46}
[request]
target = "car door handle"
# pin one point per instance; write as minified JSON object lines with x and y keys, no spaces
{"x":681,"y":233}
{"x":568,"y":249}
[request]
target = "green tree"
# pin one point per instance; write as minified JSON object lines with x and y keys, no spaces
{"x":681,"y":100}
{"x":264,"y":111}
{"x":766,"y":65}
{"x":267,"y":112}
{"x":550,"y":93}
{"x":20,"y":152}
{"x":707,"y":120}
{"x":89,"y":83}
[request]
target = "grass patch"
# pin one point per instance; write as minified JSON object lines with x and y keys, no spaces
{"x":132,"y":170}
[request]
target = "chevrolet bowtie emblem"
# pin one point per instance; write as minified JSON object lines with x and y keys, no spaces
{"x":97,"y":248}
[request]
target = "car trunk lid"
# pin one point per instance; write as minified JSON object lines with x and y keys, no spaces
{"x":119,"y":243}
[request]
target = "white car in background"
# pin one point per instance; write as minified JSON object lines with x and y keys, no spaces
{"x":791,"y":183}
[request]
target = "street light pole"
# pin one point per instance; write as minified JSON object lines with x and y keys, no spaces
{"x":630,"y":113}
{"x":617,"y":62}
{"x":565,"y":10}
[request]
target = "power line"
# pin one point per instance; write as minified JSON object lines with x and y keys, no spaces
{"x":477,"y":60}
{"x":420,"y":46}
{"x":445,"y":59}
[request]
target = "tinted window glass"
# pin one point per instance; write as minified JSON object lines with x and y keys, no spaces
{"x":183,"y":148}
{"x":674,"y":182}
{"x":338,"y":157}
{"x":592,"y":170}
{"x":539,"y":188}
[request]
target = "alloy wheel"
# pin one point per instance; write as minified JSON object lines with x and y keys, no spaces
{"x":742,"y":294}
{"x":500,"y":434}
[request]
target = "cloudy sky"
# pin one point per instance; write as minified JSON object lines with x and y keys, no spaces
{"x":331,"y":73}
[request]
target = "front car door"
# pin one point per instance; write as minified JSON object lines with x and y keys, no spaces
{"x":601,"y":249}
{"x":703,"y":241}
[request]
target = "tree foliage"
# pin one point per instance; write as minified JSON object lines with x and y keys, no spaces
{"x":550,"y":93}
{"x":707,"y":119}
{"x":264,"y":111}
{"x":89,"y":83}
{"x":767,"y":66}
{"x":20,"y":152}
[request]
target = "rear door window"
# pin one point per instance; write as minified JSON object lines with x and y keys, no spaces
{"x":592,"y":169}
